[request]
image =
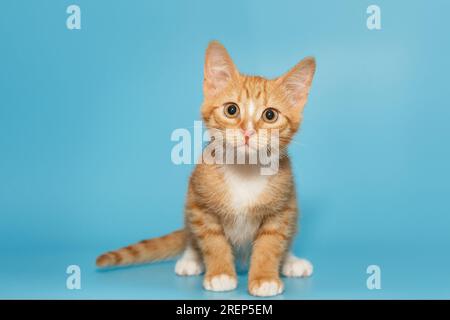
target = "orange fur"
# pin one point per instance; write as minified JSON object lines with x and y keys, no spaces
{"x":147,"y":250}
{"x":215,"y":211}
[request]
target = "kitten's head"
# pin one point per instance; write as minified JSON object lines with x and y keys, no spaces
{"x":250,"y":105}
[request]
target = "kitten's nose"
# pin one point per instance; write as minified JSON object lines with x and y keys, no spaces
{"x":247,"y":134}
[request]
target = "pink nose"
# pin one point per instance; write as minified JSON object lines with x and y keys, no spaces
{"x":247,"y":133}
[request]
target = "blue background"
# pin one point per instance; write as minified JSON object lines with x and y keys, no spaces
{"x":86,"y":118}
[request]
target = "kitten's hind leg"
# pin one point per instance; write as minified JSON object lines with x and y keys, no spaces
{"x":296,"y":267}
{"x":190,"y":263}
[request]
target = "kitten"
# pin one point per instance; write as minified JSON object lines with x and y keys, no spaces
{"x":233,"y":206}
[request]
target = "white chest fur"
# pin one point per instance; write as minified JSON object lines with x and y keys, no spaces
{"x":245,"y":186}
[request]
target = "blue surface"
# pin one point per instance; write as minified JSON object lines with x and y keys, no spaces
{"x":86,"y":118}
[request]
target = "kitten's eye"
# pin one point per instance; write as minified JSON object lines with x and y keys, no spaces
{"x":231,"y":110}
{"x":270,"y":115}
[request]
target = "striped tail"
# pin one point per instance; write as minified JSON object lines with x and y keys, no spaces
{"x":145,"y":251}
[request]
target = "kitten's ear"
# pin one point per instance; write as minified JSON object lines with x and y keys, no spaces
{"x":296,"y":83}
{"x":219,"y":69}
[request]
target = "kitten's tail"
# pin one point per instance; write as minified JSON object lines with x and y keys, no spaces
{"x":145,"y":251}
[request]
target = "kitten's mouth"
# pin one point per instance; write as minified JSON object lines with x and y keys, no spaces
{"x":243,"y":147}
{"x":246,"y":146}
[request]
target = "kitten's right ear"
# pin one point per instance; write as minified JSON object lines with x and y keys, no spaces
{"x":219,"y":69}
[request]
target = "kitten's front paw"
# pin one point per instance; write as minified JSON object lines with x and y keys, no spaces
{"x":221,"y":282}
{"x":296,"y":267}
{"x":265,"y":287}
{"x":188,"y":267}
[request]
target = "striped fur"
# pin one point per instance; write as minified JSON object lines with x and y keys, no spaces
{"x":149,"y":250}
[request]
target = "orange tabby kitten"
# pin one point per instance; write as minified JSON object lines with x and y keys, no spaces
{"x":234,"y":206}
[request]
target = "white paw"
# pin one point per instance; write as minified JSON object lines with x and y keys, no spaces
{"x":266,"y":288}
{"x":188,"y":267}
{"x":222,"y":282}
{"x":296,"y":267}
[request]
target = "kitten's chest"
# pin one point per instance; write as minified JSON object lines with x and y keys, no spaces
{"x":245,"y":188}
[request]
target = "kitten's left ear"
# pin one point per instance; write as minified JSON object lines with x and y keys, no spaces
{"x":296,"y":83}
